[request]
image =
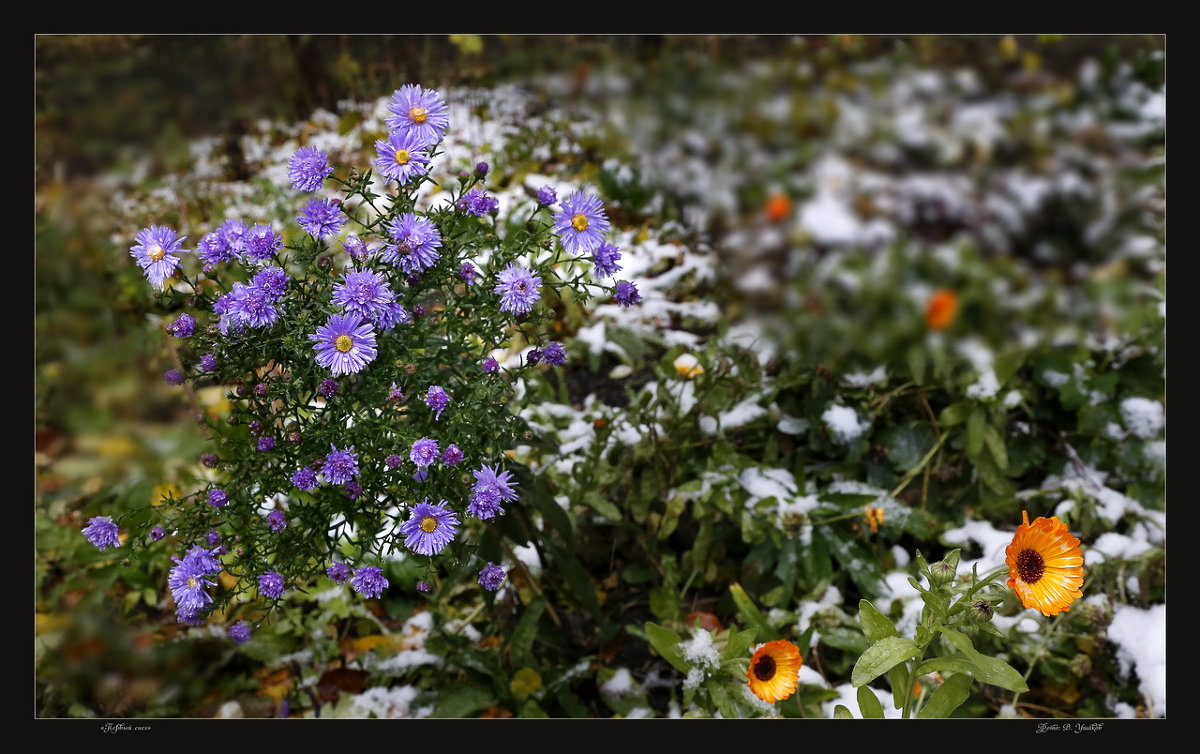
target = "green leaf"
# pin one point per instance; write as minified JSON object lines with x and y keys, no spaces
{"x":875,"y":625}
{"x":995,"y":444}
{"x":946,"y":665}
{"x":991,"y":670}
{"x":881,"y":657}
{"x":907,"y":444}
{"x":597,"y":502}
{"x":666,"y":643}
{"x":868,"y":703}
{"x":975,"y":424}
{"x":953,"y":692}
{"x":916,"y":363}
{"x":462,"y":701}
{"x":841,"y":713}
{"x":664,"y":603}
{"x":675,"y":507}
{"x":721,"y":699}
{"x":521,"y":641}
{"x":750,"y":614}
{"x":955,"y":413}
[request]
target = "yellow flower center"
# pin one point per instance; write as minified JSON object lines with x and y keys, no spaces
{"x":191,"y":582}
{"x":428,"y":524}
{"x":402,"y":157}
{"x":419,"y":115}
{"x":343,"y":343}
{"x":156,"y":252}
{"x":579,"y":222}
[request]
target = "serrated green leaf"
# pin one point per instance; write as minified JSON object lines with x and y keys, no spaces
{"x":991,"y":670}
{"x":868,"y":703}
{"x":881,"y":657}
{"x":953,"y":692}
{"x":666,"y":643}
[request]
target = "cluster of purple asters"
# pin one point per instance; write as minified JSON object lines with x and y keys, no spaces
{"x":491,"y":488}
{"x":418,"y":122}
{"x":581,"y":227}
{"x":252,"y":305}
{"x":188,"y":583}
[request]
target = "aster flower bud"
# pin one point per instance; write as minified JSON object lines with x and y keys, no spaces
{"x":481,"y":169}
{"x":260,"y":390}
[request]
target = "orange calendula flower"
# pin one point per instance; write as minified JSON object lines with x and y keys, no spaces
{"x":874,"y":516}
{"x":941,"y":309}
{"x":1045,"y":565}
{"x":774,"y":670}
{"x":778,"y":208}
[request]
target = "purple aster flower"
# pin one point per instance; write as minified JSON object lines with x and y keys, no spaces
{"x":183,"y":327}
{"x":414,"y":279}
{"x":262,"y":242}
{"x":271,"y":585}
{"x":352,"y":490}
{"x":308,"y":168}
{"x":604,"y":260}
{"x":395,"y":394}
{"x":157,"y":533}
{"x":393,"y":461}
{"x":356,"y":247}
{"x":467,"y":272}
{"x":481,"y":169}
{"x":305,"y":479}
{"x":519,"y":289}
{"x":321,"y":218}
{"x":266,"y":442}
{"x":365,"y":293}
{"x":217,"y":498}
{"x":417,"y":241}
{"x":424,"y":452}
{"x":293,"y":437}
{"x":328,"y":387}
{"x":215,"y":248}
{"x":437,"y":400}
{"x":203,"y":559}
{"x":272,"y":281}
{"x":339,"y":572}
{"x":547,"y":195}
{"x":255,"y":427}
{"x":276,"y":520}
{"x":208,"y":362}
{"x":261,"y":390}
{"x":554,"y":354}
{"x":477,"y":202}
{"x":430,"y":528}
{"x":344,"y":344}
{"x":491,"y":577}
{"x":209,"y":460}
{"x":582,"y":223}
{"x":102,"y":532}
{"x":490,"y":365}
{"x":155,"y":252}
{"x":627,"y":293}
{"x":188,"y":584}
{"x":221,"y":550}
{"x":212,"y":538}
{"x":452,"y":454}
{"x":369,"y":582}
{"x":402,"y":157}
{"x":245,"y":306}
{"x":534,"y":357}
{"x":340,"y":465}
{"x":490,"y":489}
{"x":421,"y":475}
{"x":240,"y":632}
{"x":173,"y":377}
{"x":418,"y":311}
{"x":392,"y":315}
{"x":423,"y":587}
{"x":420,"y":112}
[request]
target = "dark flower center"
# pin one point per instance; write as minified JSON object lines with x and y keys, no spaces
{"x":1030,"y":566}
{"x":764,"y":669}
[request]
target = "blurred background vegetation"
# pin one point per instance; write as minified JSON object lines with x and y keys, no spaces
{"x":113,"y":111}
